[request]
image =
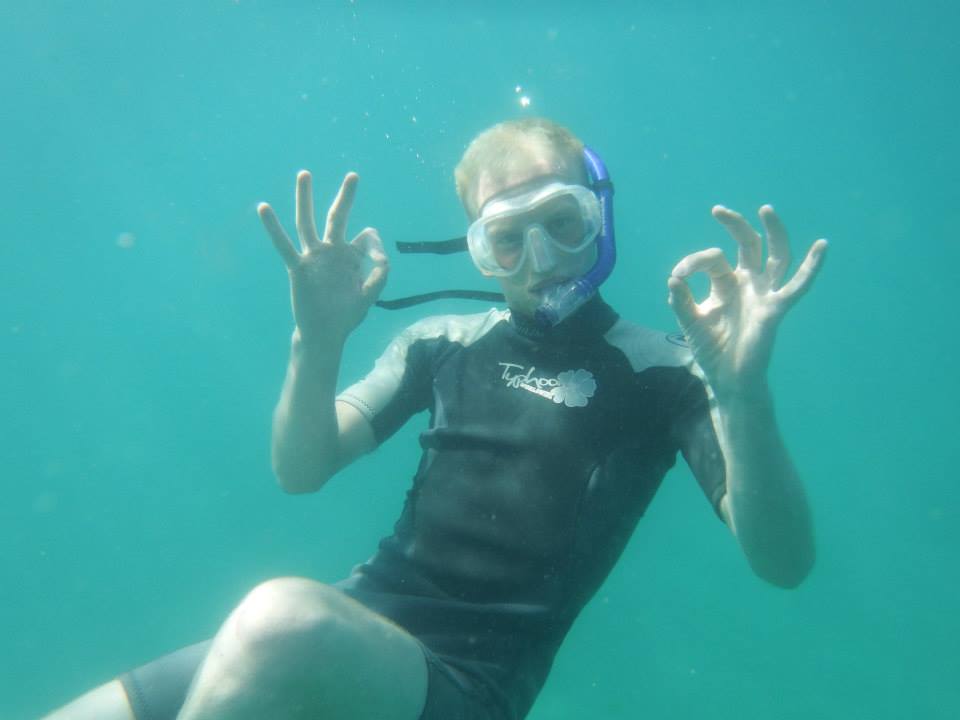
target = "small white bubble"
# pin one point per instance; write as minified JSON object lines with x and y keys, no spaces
{"x":126,"y":240}
{"x":518,"y":89}
{"x":525,"y":101}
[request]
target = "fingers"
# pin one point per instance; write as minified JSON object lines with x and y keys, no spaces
{"x":306,"y":225}
{"x":682,"y":302}
{"x":305,"y":219}
{"x":802,"y":280}
{"x":368,"y":242}
{"x":277,"y":234}
{"x":336,"y":228}
{"x":750,"y":256}
{"x":778,"y":244}
{"x":713,"y":262}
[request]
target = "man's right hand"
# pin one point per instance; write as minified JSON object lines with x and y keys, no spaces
{"x":329,"y":293}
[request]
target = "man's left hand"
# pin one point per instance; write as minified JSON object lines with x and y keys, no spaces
{"x":731,"y":332}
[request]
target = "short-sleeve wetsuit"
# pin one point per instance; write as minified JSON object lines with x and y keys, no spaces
{"x":543,"y":450}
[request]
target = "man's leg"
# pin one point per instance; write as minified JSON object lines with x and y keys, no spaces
{"x":259,"y":640}
{"x":154,"y":691}
{"x":107,"y":702}
{"x":296,"y":649}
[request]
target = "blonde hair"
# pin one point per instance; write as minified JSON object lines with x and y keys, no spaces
{"x":498,"y":150}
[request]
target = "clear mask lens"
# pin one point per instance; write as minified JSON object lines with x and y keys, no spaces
{"x":539,"y":244}
{"x":534,"y":225}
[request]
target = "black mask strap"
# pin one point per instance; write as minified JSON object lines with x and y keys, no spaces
{"x":406,"y":302}
{"x":434,"y":247}
{"x":437,"y":247}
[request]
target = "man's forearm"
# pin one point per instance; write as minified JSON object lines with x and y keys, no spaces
{"x":305,"y":433}
{"x":765,"y":501}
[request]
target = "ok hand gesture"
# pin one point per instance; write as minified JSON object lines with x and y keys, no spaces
{"x":329,"y":293}
{"x":731,"y":332}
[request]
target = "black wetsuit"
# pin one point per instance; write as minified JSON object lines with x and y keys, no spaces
{"x":542,"y":452}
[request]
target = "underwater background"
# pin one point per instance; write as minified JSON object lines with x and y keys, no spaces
{"x":145,"y":322}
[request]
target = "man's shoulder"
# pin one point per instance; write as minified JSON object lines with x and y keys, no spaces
{"x":461,"y":329}
{"x":647,"y":348}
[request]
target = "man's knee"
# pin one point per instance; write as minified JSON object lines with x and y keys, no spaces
{"x":293,"y":640}
{"x":294,"y":620}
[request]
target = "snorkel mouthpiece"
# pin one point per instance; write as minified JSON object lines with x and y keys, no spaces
{"x":561,"y":301}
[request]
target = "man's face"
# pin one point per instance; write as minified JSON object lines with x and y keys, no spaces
{"x":524,"y":288}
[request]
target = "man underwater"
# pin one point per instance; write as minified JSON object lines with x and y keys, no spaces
{"x":551,"y":427}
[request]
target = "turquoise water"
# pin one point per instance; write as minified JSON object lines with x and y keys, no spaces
{"x":145,"y":319}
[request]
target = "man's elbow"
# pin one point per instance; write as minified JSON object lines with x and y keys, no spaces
{"x":297,"y":481}
{"x":298,"y":488}
{"x":788,"y":575}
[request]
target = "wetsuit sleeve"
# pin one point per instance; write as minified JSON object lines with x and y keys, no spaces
{"x":398,"y":387}
{"x":694,"y":433}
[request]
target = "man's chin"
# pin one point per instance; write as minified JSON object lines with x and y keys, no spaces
{"x":525,"y":306}
{"x":542,"y":287}
{"x":526,"y":301}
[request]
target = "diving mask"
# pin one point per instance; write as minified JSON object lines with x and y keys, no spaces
{"x":532,"y":226}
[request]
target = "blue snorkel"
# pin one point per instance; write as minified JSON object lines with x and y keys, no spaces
{"x":561,"y":301}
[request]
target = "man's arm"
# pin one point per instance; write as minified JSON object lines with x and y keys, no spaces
{"x":313,"y":436}
{"x":731,"y":336}
{"x":765,"y":504}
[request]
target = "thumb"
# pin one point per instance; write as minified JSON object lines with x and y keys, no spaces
{"x":369,"y":243}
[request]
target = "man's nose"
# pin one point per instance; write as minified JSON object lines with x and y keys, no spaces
{"x":538,"y":245}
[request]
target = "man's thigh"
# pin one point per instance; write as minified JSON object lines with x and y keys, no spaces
{"x":157,"y":690}
{"x":294,"y":648}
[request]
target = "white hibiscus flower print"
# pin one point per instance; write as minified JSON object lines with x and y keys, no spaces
{"x":574,"y":387}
